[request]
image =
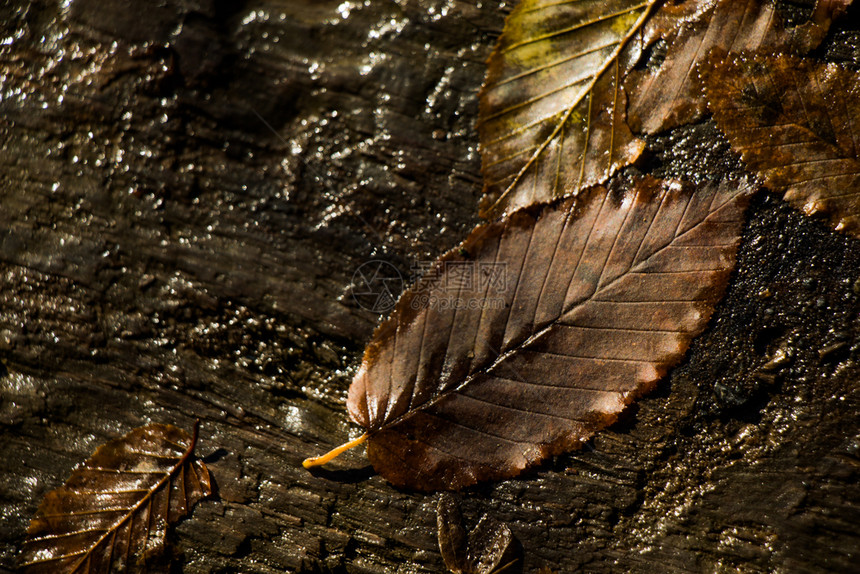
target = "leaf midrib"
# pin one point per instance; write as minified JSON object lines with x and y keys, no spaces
{"x":502,"y":357}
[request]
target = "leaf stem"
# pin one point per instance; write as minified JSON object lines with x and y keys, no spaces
{"x":320,"y":460}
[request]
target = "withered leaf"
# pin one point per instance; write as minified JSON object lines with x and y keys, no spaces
{"x":487,"y":549}
{"x":551,"y":110}
{"x":574,"y":309}
{"x":113,"y":512}
{"x":672,"y":94}
{"x":797,"y":123}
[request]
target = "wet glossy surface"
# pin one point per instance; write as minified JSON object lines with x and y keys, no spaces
{"x":166,"y":256}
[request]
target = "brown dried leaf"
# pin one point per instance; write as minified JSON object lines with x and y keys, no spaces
{"x":797,"y":123}
{"x":113,"y":512}
{"x":478,"y":379}
{"x":672,"y":94}
{"x":551,"y":110}
{"x":826,"y":11}
{"x":485,"y":550}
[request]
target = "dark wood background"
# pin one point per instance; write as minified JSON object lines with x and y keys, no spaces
{"x":186,"y":192}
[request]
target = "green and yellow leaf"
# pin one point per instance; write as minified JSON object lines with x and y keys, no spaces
{"x":551,"y":116}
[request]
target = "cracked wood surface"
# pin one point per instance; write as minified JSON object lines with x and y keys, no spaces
{"x":165,"y":256}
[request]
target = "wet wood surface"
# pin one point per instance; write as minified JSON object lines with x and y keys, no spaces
{"x":187,"y":191}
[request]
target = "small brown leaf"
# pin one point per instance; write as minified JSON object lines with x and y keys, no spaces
{"x":113,"y":512}
{"x":486,"y":550}
{"x":797,"y":123}
{"x":551,"y":110}
{"x":478,"y":379}
{"x":672,"y":94}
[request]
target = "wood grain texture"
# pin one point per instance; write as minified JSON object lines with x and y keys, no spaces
{"x":223,"y":291}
